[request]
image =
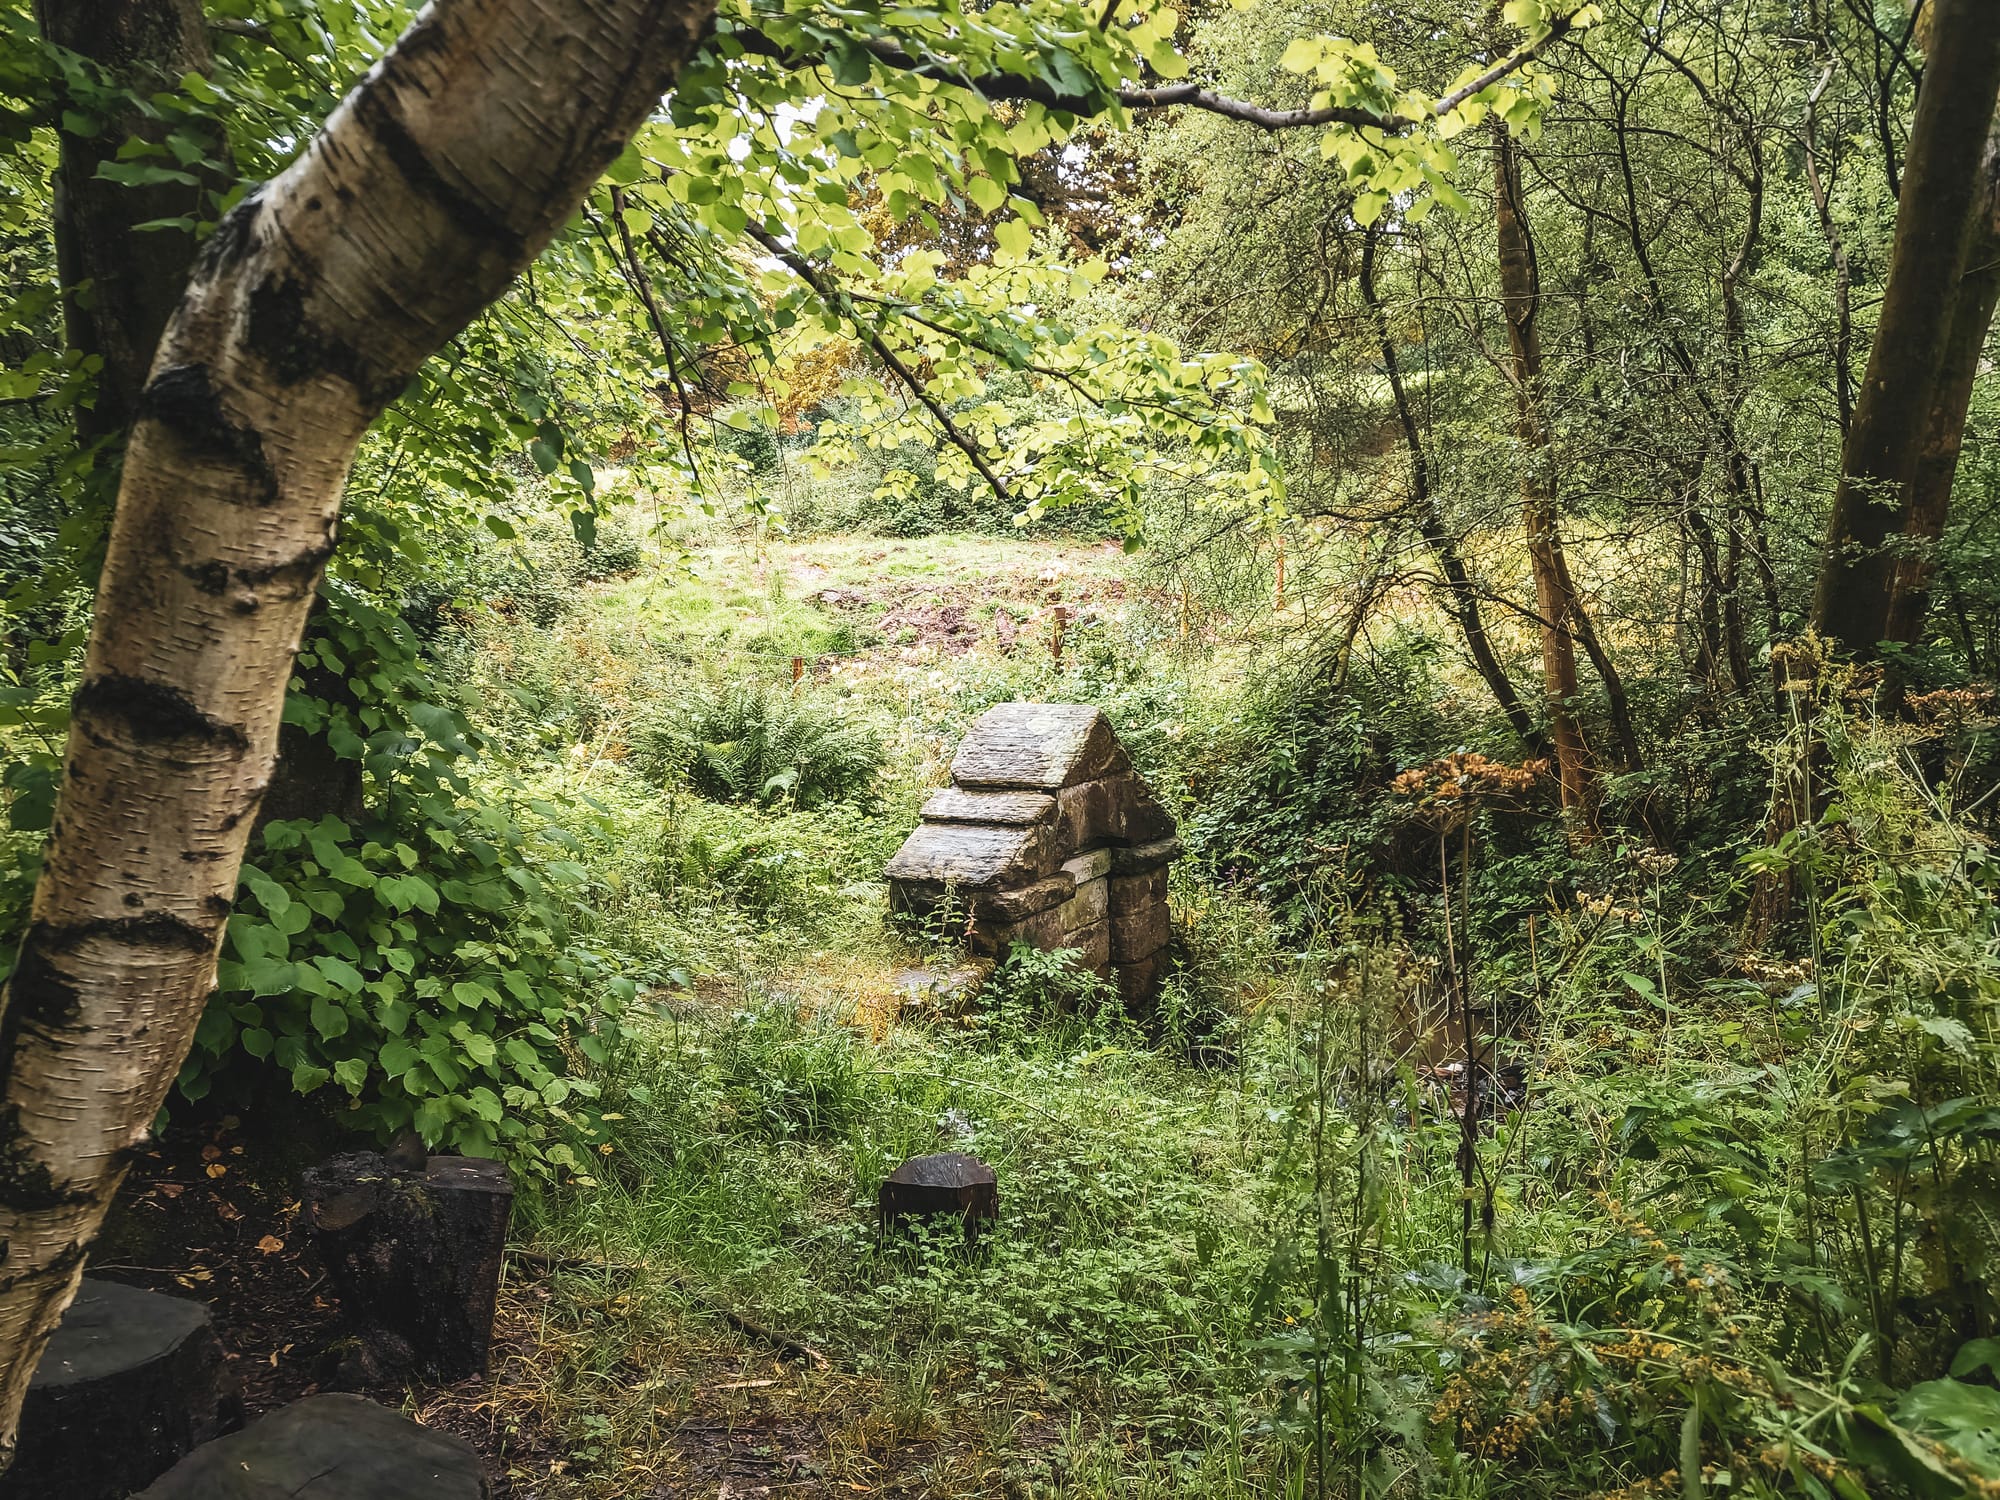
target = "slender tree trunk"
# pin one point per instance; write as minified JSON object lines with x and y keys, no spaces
{"x":1936,"y":464}
{"x":1521,"y":300}
{"x":1940,"y":188}
{"x":120,"y":284}
{"x":1843,"y":275}
{"x":441,"y":177}
{"x":1464,"y":597}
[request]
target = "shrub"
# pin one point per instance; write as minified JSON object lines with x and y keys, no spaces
{"x":430,"y":958}
{"x":749,"y":743}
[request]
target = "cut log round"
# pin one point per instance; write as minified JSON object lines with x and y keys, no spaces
{"x":413,"y":1255}
{"x":131,"y":1382}
{"x":935,"y":1189}
{"x":331,"y":1448}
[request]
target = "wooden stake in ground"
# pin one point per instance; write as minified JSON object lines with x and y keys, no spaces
{"x":1056,"y":635}
{"x":314,"y":302}
{"x":798,"y":669}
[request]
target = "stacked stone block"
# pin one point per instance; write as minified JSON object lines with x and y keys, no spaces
{"x":1046,"y":836}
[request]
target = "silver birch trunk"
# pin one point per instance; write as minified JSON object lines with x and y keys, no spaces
{"x":438,"y":179}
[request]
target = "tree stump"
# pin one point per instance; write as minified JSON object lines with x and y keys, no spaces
{"x":331,"y":1448}
{"x":131,"y":1381}
{"x":412,"y":1251}
{"x":930,"y":1188}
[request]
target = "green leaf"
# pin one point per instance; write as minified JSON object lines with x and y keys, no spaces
{"x":986,"y":194}
{"x":1975,"y":1355}
{"x":1966,"y":1418}
{"x":328,"y":1019}
{"x":478,"y":1045}
{"x":546,"y":458}
{"x":628,"y":169}
{"x":344,"y":975}
{"x":1014,"y":238}
{"x":1691,"y":1487}
{"x":307,"y":1076}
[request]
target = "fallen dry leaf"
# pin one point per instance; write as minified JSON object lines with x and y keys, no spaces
{"x":270,"y":1244}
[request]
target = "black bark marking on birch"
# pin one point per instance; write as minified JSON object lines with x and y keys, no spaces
{"x":300,"y":574}
{"x":233,"y":238}
{"x":156,"y":929}
{"x":475,"y":220}
{"x":282,"y":333}
{"x":183,"y":399}
{"x":38,"y":995}
{"x":154,"y":714}
{"x":58,"y":1269}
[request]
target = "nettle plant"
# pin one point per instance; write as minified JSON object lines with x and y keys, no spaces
{"x":430,"y":959}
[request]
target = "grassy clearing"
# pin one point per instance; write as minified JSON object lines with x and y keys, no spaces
{"x":1099,"y":1336}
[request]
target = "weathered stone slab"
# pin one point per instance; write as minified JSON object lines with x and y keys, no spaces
{"x":1038,"y":746}
{"x":1110,"y":810}
{"x":948,"y":990}
{"x":1042,"y":929}
{"x":130,"y":1382}
{"x":1141,"y":889}
{"x":328,"y":1448}
{"x":1092,"y":864}
{"x":922,"y":898}
{"x":1090,"y":905}
{"x":1011,"y":906}
{"x":956,"y":805}
{"x":1139,"y":982}
{"x":1143,"y":857}
{"x":972,"y":857}
{"x":1092,"y":945}
{"x":1139,"y":931}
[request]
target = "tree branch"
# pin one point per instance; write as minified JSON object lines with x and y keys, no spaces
{"x":836,"y":298}
{"x":1015,"y":88}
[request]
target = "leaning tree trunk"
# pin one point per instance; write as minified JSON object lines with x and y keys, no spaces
{"x":1521,"y":301}
{"x":1934,"y":212}
{"x":315,"y":301}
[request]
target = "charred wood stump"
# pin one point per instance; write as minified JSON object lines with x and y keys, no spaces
{"x":130,"y":1383}
{"x":933,"y":1190}
{"x":330,"y":1448}
{"x":412,"y":1251}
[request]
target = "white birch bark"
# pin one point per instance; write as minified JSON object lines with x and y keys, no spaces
{"x":440,"y":178}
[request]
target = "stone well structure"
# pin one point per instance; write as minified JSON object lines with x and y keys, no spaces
{"x":1046,"y":836}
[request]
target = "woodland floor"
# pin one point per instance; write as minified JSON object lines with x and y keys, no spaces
{"x":736,"y":1408}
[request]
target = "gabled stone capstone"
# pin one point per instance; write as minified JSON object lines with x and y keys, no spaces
{"x":1046,"y":836}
